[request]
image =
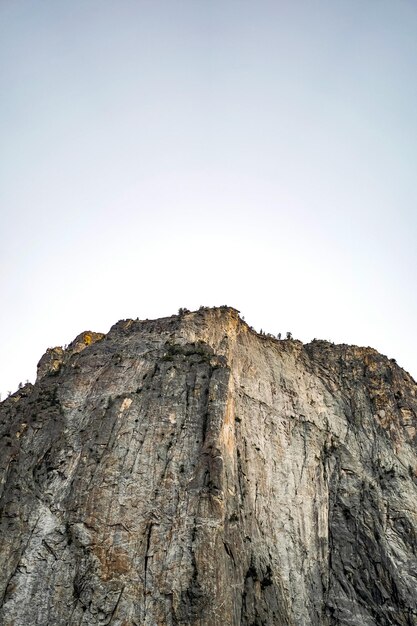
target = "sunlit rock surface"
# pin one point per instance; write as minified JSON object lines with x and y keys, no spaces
{"x":188,"y":471}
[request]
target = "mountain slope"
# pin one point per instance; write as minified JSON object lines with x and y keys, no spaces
{"x":188,"y":471}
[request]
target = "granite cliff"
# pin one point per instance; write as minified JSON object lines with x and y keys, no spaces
{"x":189,"y":471}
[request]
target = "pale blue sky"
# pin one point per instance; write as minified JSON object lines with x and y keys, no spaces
{"x":158,"y":154}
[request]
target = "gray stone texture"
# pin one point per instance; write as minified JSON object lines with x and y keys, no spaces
{"x":189,"y":471}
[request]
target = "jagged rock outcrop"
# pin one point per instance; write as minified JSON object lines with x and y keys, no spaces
{"x":188,"y":471}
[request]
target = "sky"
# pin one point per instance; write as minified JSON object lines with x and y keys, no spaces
{"x":157,"y":154}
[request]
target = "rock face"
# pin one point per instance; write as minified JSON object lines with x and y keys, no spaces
{"x":188,"y":471}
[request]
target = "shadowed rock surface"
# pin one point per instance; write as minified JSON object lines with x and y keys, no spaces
{"x":188,"y":471}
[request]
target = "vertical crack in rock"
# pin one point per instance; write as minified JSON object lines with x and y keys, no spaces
{"x":188,"y":471}
{"x":147,"y":557}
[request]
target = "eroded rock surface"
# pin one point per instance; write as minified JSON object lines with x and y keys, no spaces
{"x":188,"y":471}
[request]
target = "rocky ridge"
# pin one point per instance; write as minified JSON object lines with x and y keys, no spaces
{"x":189,"y":471}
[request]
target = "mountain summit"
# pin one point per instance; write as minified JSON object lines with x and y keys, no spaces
{"x":189,"y":471}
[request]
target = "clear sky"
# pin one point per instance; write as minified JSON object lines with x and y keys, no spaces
{"x":158,"y":154}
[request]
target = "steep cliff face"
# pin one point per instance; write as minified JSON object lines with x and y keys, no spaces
{"x":187,"y":471}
